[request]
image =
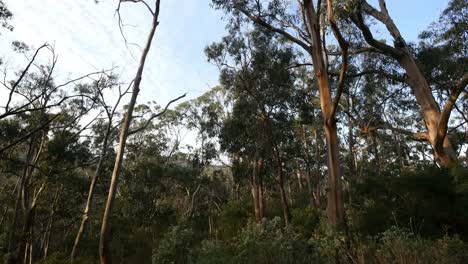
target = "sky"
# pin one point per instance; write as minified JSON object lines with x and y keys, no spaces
{"x":86,"y":38}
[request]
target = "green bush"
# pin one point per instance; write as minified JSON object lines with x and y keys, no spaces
{"x":305,"y":221}
{"x":177,"y":246}
{"x":267,"y":242}
{"x":395,"y":245}
{"x":431,"y":203}
{"x":232,"y":218}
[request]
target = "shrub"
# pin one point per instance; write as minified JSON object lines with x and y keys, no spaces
{"x":177,"y":246}
{"x":267,"y":242}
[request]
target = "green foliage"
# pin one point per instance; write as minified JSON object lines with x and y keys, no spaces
{"x":267,"y":242}
{"x":60,"y":258}
{"x":234,"y":216}
{"x":305,"y":221}
{"x":175,"y":247}
{"x":431,"y":202}
{"x":404,"y":247}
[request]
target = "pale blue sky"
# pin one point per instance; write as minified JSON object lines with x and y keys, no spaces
{"x":87,"y":38}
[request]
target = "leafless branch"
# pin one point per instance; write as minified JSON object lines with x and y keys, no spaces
{"x":155,"y":116}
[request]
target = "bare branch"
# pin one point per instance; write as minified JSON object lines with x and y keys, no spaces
{"x":23,"y":73}
{"x":358,"y":20}
{"x":445,"y":115}
{"x":155,"y":116}
{"x":282,"y":32}
{"x":344,"y":56}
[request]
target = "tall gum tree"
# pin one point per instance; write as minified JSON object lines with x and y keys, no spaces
{"x":436,"y":120}
{"x":104,"y":253}
{"x":311,"y":40}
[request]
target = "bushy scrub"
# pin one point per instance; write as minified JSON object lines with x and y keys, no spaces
{"x":305,"y":221}
{"x":232,"y":218}
{"x":177,"y":246}
{"x":401,"y":246}
{"x":267,"y":242}
{"x":395,"y":245}
{"x":431,"y":203}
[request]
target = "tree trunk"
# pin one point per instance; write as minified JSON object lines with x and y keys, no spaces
{"x":28,"y":227}
{"x":444,"y":154}
{"x":290,"y":198}
{"x":92,"y":187}
{"x":104,"y":253}
{"x":283,"y":197}
{"x":18,"y":205}
{"x":28,"y":207}
{"x":335,"y":208}
{"x":260,"y":194}
{"x":352,"y":164}
{"x":255,"y":190}
{"x":312,"y":24}
{"x":310,"y":188}
{"x":299,"y":180}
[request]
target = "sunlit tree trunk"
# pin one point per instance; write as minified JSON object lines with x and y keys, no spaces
{"x":335,"y":206}
{"x":311,"y":21}
{"x":444,"y":153}
{"x":436,"y":120}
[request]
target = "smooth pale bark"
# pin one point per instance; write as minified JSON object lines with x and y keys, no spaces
{"x":434,"y":119}
{"x":299,"y":180}
{"x":92,"y":187}
{"x":444,"y":155}
{"x":255,"y":189}
{"x":329,"y":107}
{"x":335,"y":206}
{"x":104,"y":251}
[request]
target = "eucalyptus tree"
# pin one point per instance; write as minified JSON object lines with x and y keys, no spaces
{"x":254,"y":70}
{"x":306,"y":20}
{"x":109,"y":131}
{"x":204,"y":115}
{"x":435,"y":119}
{"x":104,"y":252}
{"x":49,"y":129}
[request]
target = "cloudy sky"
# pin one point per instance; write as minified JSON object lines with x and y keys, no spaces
{"x":86,"y":38}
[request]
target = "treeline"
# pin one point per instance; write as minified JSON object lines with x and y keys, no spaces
{"x":321,"y":144}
